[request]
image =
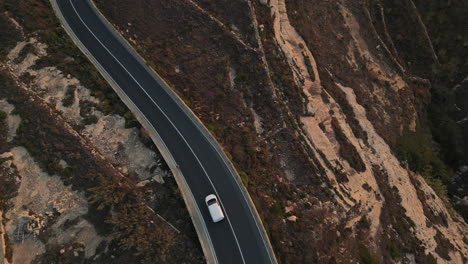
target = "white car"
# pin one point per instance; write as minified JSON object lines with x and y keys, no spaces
{"x":215,"y":209}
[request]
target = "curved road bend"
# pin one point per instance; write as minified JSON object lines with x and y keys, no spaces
{"x":237,"y":239}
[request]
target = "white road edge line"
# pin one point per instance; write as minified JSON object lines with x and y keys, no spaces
{"x":165,"y":115}
{"x":170,"y":155}
{"x":206,"y":135}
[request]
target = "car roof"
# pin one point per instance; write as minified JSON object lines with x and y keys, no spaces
{"x":216,"y":214}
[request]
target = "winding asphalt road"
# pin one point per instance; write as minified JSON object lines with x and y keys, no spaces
{"x":240,"y":237}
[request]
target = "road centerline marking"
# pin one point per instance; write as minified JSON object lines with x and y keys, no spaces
{"x":168,"y":119}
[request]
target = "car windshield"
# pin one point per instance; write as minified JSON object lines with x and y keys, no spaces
{"x":212,"y":201}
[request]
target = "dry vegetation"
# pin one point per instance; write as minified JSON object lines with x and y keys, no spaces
{"x":177,"y":49}
{"x":438,"y":53}
{"x":118,"y":209}
{"x":244,"y":91}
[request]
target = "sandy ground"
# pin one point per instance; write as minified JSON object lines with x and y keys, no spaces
{"x":119,"y":144}
{"x":33,"y":249}
{"x":39,"y":195}
{"x":109,"y":135}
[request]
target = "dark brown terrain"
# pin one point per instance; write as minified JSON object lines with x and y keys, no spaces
{"x":110,"y":210}
{"x":345,"y":119}
{"x":313,"y":101}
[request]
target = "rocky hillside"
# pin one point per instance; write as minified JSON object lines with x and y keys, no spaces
{"x":322,"y":109}
{"x":80,"y":180}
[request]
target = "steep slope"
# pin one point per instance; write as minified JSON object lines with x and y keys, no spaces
{"x":310,"y":99}
{"x":80,"y":181}
{"x":439,"y":55}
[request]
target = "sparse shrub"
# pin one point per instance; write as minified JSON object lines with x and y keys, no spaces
{"x":438,"y":186}
{"x":431,"y":259}
{"x":394,"y":249}
{"x":26,"y":78}
{"x":53,"y":167}
{"x":136,"y":228}
{"x":278,"y":209}
{"x":244,"y":177}
{"x":108,"y":193}
{"x":364,"y":222}
{"x":28,"y":48}
{"x":69,"y":97}
{"x":3,"y":116}
{"x":211,"y":127}
{"x":418,"y":150}
{"x":187,"y":102}
{"x":367,"y":187}
{"x":89,"y":120}
{"x":365,"y":255}
{"x":130,"y":120}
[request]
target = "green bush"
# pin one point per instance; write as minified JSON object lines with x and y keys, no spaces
{"x":29,"y":48}
{"x":244,"y":177}
{"x":365,"y":255}
{"x":278,"y":209}
{"x":130,"y":120}
{"x":108,"y":193}
{"x":364,"y":222}
{"x":418,"y":150}
{"x":211,"y":127}
{"x":89,"y":120}
{"x":431,"y":259}
{"x":3,"y":115}
{"x":69,"y":97}
{"x":394,"y":249}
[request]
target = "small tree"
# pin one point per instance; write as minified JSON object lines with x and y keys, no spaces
{"x":136,"y":228}
{"x":108,"y":192}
